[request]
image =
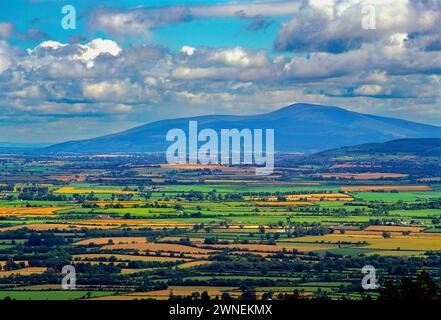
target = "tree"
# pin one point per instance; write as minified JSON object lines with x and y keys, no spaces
{"x":205,"y":296}
{"x":386,"y":235}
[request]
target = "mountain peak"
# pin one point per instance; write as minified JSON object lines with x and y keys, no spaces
{"x":308,"y":107}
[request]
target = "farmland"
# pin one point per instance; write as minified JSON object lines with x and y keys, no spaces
{"x":136,"y":228}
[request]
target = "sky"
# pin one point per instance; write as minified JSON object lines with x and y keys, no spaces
{"x":131,"y":62}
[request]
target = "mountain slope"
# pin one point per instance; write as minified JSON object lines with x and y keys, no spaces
{"x":298,"y":128}
{"x":419,"y":147}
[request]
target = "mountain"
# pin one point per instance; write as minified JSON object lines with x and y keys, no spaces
{"x":298,"y":128}
{"x":12,"y":147}
{"x":418,"y":147}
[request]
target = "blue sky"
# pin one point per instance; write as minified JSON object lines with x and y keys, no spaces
{"x":46,"y":16}
{"x":133,"y":62}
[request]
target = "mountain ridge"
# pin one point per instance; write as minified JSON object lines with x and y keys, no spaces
{"x":300,"y":127}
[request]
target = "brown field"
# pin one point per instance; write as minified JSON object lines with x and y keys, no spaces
{"x":24,"y":271}
{"x":194,"y":255}
{"x":379,"y":233}
{"x":363,"y":176}
{"x":398,"y":242}
{"x":178,"y":238}
{"x":29,"y":211}
{"x":184,"y":290}
{"x":115,"y":240}
{"x":69,"y":177}
{"x":176,"y":290}
{"x":366,"y":233}
{"x":394,"y":228}
{"x":157,"y":247}
{"x":385,"y":188}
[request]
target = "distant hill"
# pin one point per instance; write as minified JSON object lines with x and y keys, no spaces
{"x":303,"y":128}
{"x":419,"y":147}
{"x":12,"y":147}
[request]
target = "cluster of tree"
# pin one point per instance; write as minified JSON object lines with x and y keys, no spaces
{"x":421,"y":288}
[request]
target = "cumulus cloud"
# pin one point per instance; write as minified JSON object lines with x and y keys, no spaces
{"x":138,"y":21}
{"x":141,"y":21}
{"x":102,"y":78}
{"x":188,"y":50}
{"x":336,"y":26}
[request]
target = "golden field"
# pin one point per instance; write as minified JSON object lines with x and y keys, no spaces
{"x":73,"y":190}
{"x":29,"y":211}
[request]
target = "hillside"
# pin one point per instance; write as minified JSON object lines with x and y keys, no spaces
{"x":419,"y":147}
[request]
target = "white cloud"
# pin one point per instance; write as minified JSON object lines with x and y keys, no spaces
{"x":188,"y":50}
{"x":336,"y":25}
{"x":238,"y":57}
{"x":140,"y":21}
{"x":371,"y":90}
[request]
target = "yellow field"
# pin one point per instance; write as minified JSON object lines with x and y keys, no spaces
{"x":176,"y":290}
{"x":41,"y":227}
{"x":313,"y":197}
{"x":122,"y":203}
{"x":194,"y":264}
{"x":192,"y":239}
{"x":24,"y":271}
{"x":115,"y":240}
{"x":394,"y":228}
{"x":72,"y":190}
{"x":157,"y":247}
{"x":29,"y":211}
{"x":411,"y":242}
{"x":283,"y":203}
{"x":3,"y":263}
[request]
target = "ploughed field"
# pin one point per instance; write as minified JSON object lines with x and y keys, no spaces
{"x":136,"y":229}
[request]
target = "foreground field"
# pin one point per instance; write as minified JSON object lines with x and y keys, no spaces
{"x":139,"y":230}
